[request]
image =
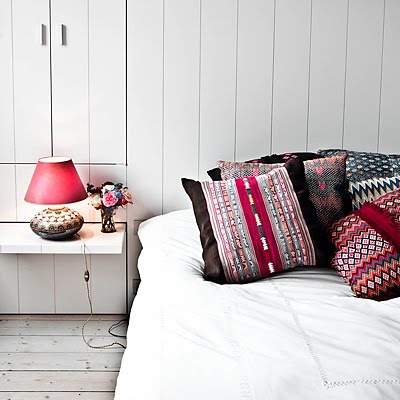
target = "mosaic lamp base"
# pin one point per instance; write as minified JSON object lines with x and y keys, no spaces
{"x":56,"y":223}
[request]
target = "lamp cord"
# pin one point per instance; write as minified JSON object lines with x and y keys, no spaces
{"x":86,"y":277}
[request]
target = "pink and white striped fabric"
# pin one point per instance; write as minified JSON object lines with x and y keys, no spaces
{"x":258,"y":225}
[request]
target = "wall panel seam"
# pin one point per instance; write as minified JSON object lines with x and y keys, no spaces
{"x":309,"y":75}
{"x":13,"y":83}
{"x":272,"y":80}
{"x":51,"y":83}
{"x":236,"y":80}
{"x":163,"y":109}
{"x":88,"y":82}
{"x":18,"y":291}
{"x":199,"y":110}
{"x":345,"y":72}
{"x":126,"y":85}
{"x":381,"y":77}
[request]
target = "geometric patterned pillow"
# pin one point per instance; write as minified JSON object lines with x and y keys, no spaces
{"x":215,"y":173}
{"x":371,"y":189}
{"x":368,"y":248}
{"x":253,"y":227}
{"x":325,"y":178}
{"x":362,"y":165}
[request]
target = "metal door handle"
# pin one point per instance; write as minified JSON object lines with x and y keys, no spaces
{"x":43,"y":34}
{"x":63,"y":31}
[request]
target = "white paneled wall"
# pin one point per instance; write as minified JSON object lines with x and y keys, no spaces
{"x":255,"y":51}
{"x":6,"y":84}
{"x":389,"y":137}
{"x":218,"y":48}
{"x":31,"y":79}
{"x":364,"y":74}
{"x":181,"y":97}
{"x":62,"y":92}
{"x":238,"y":79}
{"x":145,"y":62}
{"x":291,"y":74}
{"x":184,"y":84}
{"x":327,"y":74}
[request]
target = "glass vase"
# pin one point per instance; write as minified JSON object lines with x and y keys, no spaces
{"x":107,"y":221}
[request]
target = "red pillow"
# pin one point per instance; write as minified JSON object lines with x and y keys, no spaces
{"x":368,"y":248}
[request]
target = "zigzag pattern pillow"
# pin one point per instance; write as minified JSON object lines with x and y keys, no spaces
{"x":371,"y":189}
{"x":368,"y":248}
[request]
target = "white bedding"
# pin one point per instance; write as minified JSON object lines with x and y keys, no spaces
{"x":298,"y":335}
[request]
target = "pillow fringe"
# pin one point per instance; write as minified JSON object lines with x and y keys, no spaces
{"x":382,"y":221}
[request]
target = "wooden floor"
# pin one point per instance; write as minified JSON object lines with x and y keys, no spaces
{"x":44,"y":357}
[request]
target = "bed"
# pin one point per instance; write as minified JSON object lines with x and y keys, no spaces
{"x":301,"y":334}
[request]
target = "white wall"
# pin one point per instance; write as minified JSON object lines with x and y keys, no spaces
{"x":61,"y":99}
{"x":237,"y":79}
{"x":231,"y":79}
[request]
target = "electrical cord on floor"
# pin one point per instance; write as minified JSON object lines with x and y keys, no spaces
{"x":115,"y":326}
{"x":86,"y":277}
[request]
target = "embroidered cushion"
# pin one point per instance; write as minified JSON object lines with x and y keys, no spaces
{"x":363,"y":165}
{"x":325,"y":178}
{"x":371,"y":189}
{"x":368,"y":248}
{"x":255,"y":226}
{"x":215,"y":173}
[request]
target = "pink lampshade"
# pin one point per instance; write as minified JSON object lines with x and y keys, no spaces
{"x":55,"y":181}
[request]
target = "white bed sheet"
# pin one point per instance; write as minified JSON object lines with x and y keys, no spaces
{"x":298,"y":335}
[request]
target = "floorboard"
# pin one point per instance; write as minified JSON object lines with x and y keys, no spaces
{"x":44,"y":357}
{"x":57,"y":396}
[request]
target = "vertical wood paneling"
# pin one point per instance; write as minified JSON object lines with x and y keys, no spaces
{"x":6,"y":84}
{"x":70,"y":79}
{"x":254,"y":78}
{"x":8,"y":284}
{"x":145,"y":104}
{"x":108,"y":280}
{"x":70,"y":288}
{"x":291,"y":75}
{"x":389,"y":137}
{"x":8,"y":204}
{"x":181,"y":99}
{"x":217,"y":82}
{"x":327,"y":73}
{"x":363,"y":77}
{"x":107,"y":83}
{"x":31,"y":80}
{"x":36,"y":284}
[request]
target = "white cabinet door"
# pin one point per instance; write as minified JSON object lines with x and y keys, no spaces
{"x":6,"y":84}
{"x":31,"y":54}
{"x":88,"y":80}
{"x":107,"y":81}
{"x":69,"y":61}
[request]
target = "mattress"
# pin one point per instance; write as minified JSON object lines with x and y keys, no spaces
{"x":297,"y":335}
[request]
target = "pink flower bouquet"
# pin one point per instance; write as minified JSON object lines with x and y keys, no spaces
{"x":107,"y":199}
{"x":109,"y":196}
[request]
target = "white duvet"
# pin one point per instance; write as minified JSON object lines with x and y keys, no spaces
{"x":298,"y":335}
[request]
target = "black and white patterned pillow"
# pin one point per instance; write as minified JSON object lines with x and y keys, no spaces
{"x":361,"y":166}
{"x":371,"y":189}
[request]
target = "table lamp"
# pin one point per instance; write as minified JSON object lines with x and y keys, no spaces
{"x":55,"y":182}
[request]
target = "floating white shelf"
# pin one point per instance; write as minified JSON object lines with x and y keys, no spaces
{"x":17,"y":238}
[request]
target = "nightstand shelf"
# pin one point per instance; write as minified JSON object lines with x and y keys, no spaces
{"x":39,"y":276}
{"x":17,"y":238}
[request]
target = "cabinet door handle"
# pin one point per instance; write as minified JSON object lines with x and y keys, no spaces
{"x":42,"y":34}
{"x":63,"y":31}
